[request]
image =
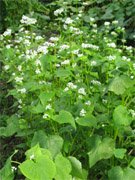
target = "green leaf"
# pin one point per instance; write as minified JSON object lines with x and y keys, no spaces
{"x":63,"y":168}
{"x":54,"y":144}
{"x":43,"y":168}
{"x":65,"y":117}
{"x":76,"y":167}
{"x":119,"y":153}
{"x":63,"y":73}
{"x":117,"y":86}
{"x":88,"y":120}
{"x":6,"y":172}
{"x":132,"y":163}
{"x":103,"y":149}
{"x":39,"y":138}
{"x":12,"y":127}
{"x":37,"y":109}
{"x":120,"y":84}
{"x":121,"y":116}
{"x":118,"y":173}
{"x":45,"y":97}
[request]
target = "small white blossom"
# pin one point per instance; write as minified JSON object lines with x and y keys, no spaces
{"x":71,"y":85}
{"x":66,"y":62}
{"x":68,"y":21}
{"x":28,"y":21}
{"x":6,"y":67}
{"x":38,"y":38}
{"x":112,"y":45}
{"x":22,"y":91}
{"x":45,"y":116}
{"x":66,"y":89}
{"x":32,"y":157}
{"x":19,"y":68}
{"x":58,"y":11}
{"x":13,"y":168}
{"x":82,"y":113}
{"x":19,"y":79}
{"x":88,"y":103}
{"x":38,"y":71}
{"x":107,"y":23}
{"x":63,"y":47}
{"x":7,"y":32}
{"x":82,"y":91}
{"x":37,"y":62}
{"x":95,"y":82}
{"x":48,"y":107}
{"x":93,"y":63}
{"x":54,"y":39}
{"x":115,"y":22}
{"x":110,"y":58}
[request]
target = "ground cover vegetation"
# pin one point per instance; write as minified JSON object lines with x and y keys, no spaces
{"x":67,"y":90}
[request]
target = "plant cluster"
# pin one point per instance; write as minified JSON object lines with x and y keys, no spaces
{"x":73,"y":98}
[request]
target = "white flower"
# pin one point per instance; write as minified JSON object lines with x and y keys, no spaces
{"x":115,"y":22}
{"x":90,"y":46}
{"x":92,"y":19}
{"x":19,"y":68}
{"x":8,"y":46}
{"x":63,"y":47}
{"x":20,"y":101}
{"x":54,"y":39}
{"x":37,"y":62}
{"x":58,"y":11}
{"x":42,"y":49}
{"x":82,"y":91}
{"x":13,"y":168}
{"x":134,"y":65}
{"x":7,"y":32}
{"x":38,"y":71}
{"x":45,"y":116}
{"x":38,"y":38}
{"x":22,"y":91}
{"x":65,"y":62}
{"x":74,"y":65}
{"x":48,"y":107}
{"x":71,"y":85}
{"x":132,"y":112}
{"x":107,"y":23}
{"x":88,"y":103}
{"x":28,"y":21}
{"x":95,"y":82}
{"x":68,"y":21}
{"x":6,"y":67}
{"x":93,"y":63}
{"x":19,"y":79}
{"x":110,"y":58}
{"x":112,"y":45}
{"x":57,"y":65}
{"x":66,"y":89}
{"x":32,"y":157}
{"x":82,"y":113}
{"x":75,"y":51}
{"x":113,"y":33}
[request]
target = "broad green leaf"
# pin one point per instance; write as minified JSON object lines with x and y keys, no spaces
{"x":45,"y":97}
{"x":88,"y":120}
{"x":132,"y":163}
{"x":54,"y":144}
{"x":36,"y":151}
{"x":117,"y":86}
{"x":63,"y":168}
{"x":12,"y":127}
{"x":118,"y":173}
{"x":6,"y":172}
{"x":103,"y":149}
{"x":76,"y":167}
{"x":39,"y":137}
{"x":119,"y":153}
{"x":65,"y":117}
{"x":62,"y":73}
{"x":37,"y":109}
{"x":120,"y":84}
{"x":43,"y":168}
{"x":121,"y":116}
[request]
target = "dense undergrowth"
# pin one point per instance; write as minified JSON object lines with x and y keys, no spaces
{"x":67,"y":96}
